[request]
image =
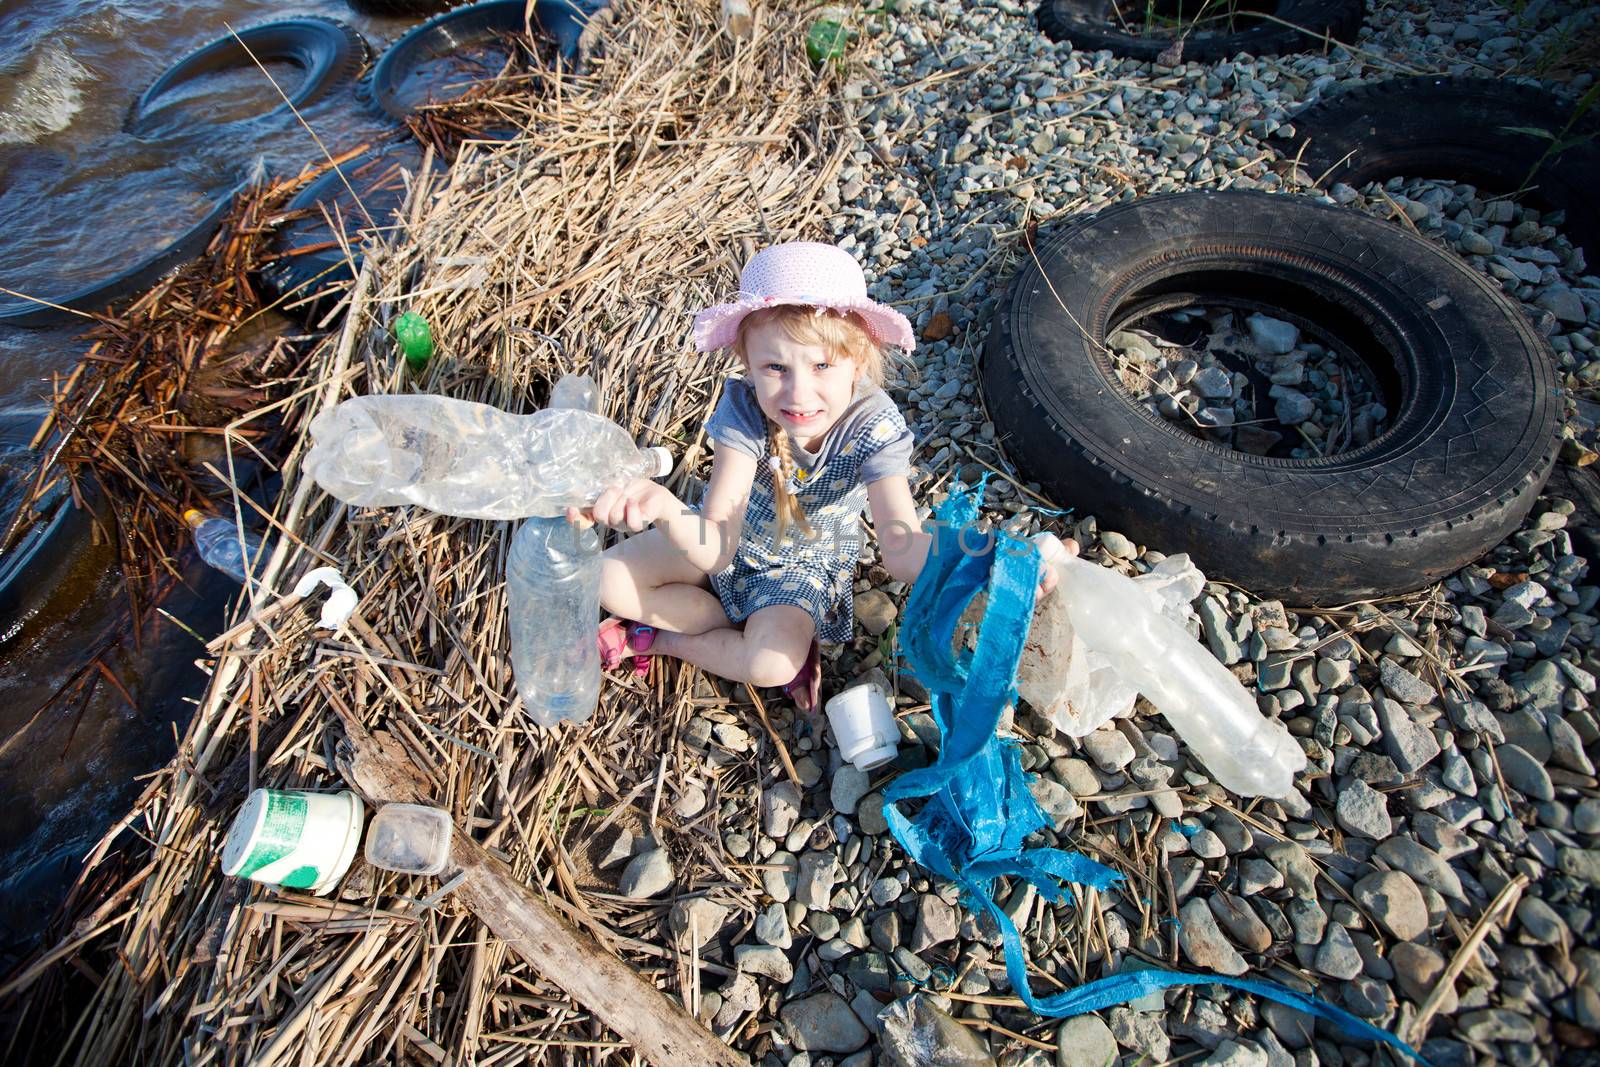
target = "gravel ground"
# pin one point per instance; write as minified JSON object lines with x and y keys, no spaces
{"x":1449,"y":733}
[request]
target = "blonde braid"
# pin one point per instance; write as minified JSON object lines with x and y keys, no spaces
{"x":788,"y":509}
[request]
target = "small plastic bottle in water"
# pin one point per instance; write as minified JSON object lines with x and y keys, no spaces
{"x":219,"y":544}
{"x":553,"y":598}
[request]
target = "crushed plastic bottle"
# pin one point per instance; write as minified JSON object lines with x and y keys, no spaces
{"x":1116,"y":618}
{"x":472,"y":460}
{"x":220,"y":545}
{"x":553,"y":598}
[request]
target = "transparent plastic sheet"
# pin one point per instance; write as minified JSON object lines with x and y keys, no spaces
{"x":917,"y":1034}
{"x":471,"y":460}
{"x":1131,"y":634}
{"x":1066,"y":679}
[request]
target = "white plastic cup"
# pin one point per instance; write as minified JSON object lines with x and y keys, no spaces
{"x":294,"y":838}
{"x":863,"y":726}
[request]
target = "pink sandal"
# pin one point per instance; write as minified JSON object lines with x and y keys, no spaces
{"x":617,"y":637}
{"x":806,"y":689}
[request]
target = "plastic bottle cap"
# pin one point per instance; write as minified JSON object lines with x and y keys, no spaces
{"x":663,"y":460}
{"x":193,"y":516}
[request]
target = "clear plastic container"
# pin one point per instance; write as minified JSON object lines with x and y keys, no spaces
{"x":553,"y":597}
{"x":472,"y":460}
{"x":1244,"y":750}
{"x":221,"y":546}
{"x":409,"y":839}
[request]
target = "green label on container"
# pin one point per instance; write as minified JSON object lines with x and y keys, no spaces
{"x":281,"y":827}
{"x":301,"y":878}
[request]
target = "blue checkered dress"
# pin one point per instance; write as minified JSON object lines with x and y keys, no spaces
{"x":815,"y":573}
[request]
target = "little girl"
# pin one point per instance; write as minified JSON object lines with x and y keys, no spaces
{"x":747,"y":584}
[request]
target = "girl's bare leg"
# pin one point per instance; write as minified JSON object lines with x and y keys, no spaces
{"x":646,"y":579}
{"x":769,"y":651}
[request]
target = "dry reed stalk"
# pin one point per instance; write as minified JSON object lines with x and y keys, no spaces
{"x":585,"y":245}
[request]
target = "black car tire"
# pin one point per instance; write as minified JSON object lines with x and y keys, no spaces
{"x":135,"y":279}
{"x":561,"y":20}
{"x":1473,"y":389}
{"x":1464,"y":129}
{"x":1295,"y":26}
{"x":310,"y":283}
{"x":329,"y":52}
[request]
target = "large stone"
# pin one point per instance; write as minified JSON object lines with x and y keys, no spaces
{"x":1085,"y":1041}
{"x":1418,"y":969}
{"x":1273,"y":337}
{"x":1395,"y":902}
{"x":1524,"y":773}
{"x":1203,"y":943}
{"x":1410,"y":744}
{"x":780,"y":807}
{"x":823,"y":1023}
{"x":937,"y":922}
{"x":1236,"y":1054}
{"x":1423,"y":864}
{"x":848,"y":787}
{"x":1362,"y":811}
{"x":875,"y":611}
{"x":1109,"y":748}
{"x":1402,"y":684}
{"x":765,"y":960}
{"x":1337,"y":957}
{"x":647,"y":874}
{"x":1241,"y":922}
{"x":699,"y":917}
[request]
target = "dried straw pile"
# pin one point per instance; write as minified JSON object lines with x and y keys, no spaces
{"x":582,"y":246}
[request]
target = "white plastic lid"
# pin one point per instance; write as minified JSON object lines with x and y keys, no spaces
{"x":875,"y":757}
{"x":663,"y":460}
{"x":409,"y":839}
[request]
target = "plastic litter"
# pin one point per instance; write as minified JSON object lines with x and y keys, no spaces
{"x":221,"y":545}
{"x":827,"y":38}
{"x":341,"y":602}
{"x":917,"y":1034}
{"x":863,"y":725}
{"x":979,"y":810}
{"x":294,"y":838}
{"x":409,"y":839}
{"x":553,"y":596}
{"x":1133,"y":635}
{"x":1067,"y":680}
{"x":472,"y":460}
{"x":416,"y":339}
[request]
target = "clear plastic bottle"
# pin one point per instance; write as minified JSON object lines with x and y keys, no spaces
{"x":219,"y":544}
{"x":1244,"y":751}
{"x":553,"y":599}
{"x":472,"y":460}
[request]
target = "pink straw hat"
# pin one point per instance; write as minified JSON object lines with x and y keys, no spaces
{"x":807,"y":273}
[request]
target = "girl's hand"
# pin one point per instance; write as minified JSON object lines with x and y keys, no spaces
{"x":1047,"y":573}
{"x":635,"y":507}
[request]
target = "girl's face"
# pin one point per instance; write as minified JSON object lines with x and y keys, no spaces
{"x":803,"y":388}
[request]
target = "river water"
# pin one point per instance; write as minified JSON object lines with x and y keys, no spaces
{"x":80,"y":199}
